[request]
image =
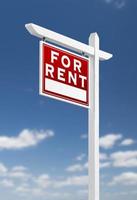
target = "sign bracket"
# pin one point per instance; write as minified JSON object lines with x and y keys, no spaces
{"x":67,"y":42}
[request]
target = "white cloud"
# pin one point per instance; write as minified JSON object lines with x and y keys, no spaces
{"x":20,"y":182}
{"x":82,"y":167}
{"x":43,"y":185}
{"x":81,"y":157}
{"x":103,"y":156}
{"x":84,"y":136}
{"x":18,"y":168}
{"x":3,"y":169}
{"x":77,"y":167}
{"x":22,"y":179}
{"x":19,"y":172}
{"x":26,"y":138}
{"x":37,"y":192}
{"x":72,"y":181}
{"x":108,"y":141}
{"x":27,"y":191}
{"x":127,"y":178}
{"x":104,"y":161}
{"x":118,"y":159}
{"x":127,"y":142}
{"x":108,"y":1}
{"x":22,"y":189}
{"x":16,"y":172}
{"x":60,"y":195}
{"x":105,"y":164}
{"x":19,"y":175}
{"x":43,"y":181}
{"x":124,"y":159}
{"x":7,"y":183}
{"x":82,"y":193}
{"x":119,"y":4}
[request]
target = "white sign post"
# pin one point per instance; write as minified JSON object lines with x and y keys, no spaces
{"x":93,"y":120}
{"x":94,"y":54}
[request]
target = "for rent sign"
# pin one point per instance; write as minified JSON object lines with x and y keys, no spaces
{"x":67,"y":76}
{"x":63,"y":74}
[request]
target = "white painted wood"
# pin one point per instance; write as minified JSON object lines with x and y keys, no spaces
{"x":93,"y":140}
{"x":62,"y":40}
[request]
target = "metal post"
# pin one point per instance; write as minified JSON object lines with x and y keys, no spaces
{"x":93,"y":141}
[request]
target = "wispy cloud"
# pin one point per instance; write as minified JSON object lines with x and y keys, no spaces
{"x":19,"y":173}
{"x":19,"y":180}
{"x":103,"y":156}
{"x":81,"y":157}
{"x":84,"y":136}
{"x":119,"y":159}
{"x":105,"y":164}
{"x":7,"y":183}
{"x":127,"y":178}
{"x":72,"y":181}
{"x":3,"y":169}
{"x":127,"y":142}
{"x":77,"y":167}
{"x":108,"y":141}
{"x":22,"y":182}
{"x":124,"y":159}
{"x":19,"y":168}
{"x":119,"y":4}
{"x":26,"y":138}
{"x":43,"y":181}
{"x":104,"y":161}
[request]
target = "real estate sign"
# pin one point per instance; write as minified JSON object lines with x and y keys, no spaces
{"x":63,"y":74}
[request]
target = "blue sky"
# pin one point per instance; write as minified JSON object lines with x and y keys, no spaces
{"x":43,"y":142}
